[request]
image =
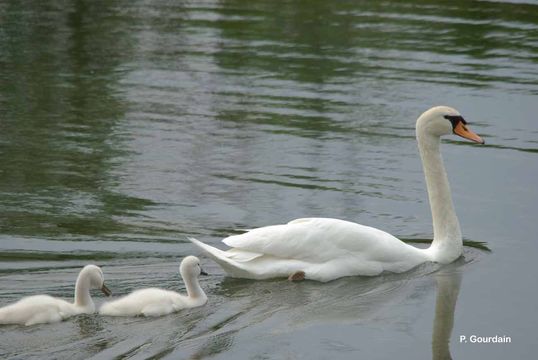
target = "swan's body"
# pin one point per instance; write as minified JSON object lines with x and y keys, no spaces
{"x":40,"y":309}
{"x":324,"y":249}
{"x":157,"y":302}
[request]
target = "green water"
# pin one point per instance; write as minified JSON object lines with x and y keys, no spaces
{"x":126,"y":126}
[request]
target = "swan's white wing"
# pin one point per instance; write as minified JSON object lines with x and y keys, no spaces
{"x":240,"y":255}
{"x":319,"y":240}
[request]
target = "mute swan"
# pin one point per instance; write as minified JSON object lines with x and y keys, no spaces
{"x":41,"y":309}
{"x":157,"y":302}
{"x":325,"y":249}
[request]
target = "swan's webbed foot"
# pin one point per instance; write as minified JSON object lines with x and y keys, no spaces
{"x":297,"y":276}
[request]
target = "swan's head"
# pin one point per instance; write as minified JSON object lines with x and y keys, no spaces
{"x":96,"y":278}
{"x":190,"y":268}
{"x":444,"y":120}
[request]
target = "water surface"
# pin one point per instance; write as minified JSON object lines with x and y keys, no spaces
{"x":128,"y":125}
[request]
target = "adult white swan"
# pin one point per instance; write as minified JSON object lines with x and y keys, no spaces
{"x":325,"y":249}
{"x":40,"y":309}
{"x":157,"y":302}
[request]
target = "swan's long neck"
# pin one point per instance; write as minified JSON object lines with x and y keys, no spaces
{"x":82,"y":291}
{"x":447,"y":243}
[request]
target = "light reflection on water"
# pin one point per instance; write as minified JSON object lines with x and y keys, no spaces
{"x":127,"y":126}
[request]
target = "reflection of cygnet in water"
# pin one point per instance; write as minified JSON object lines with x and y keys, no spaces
{"x":157,"y":302}
{"x":448,"y":288}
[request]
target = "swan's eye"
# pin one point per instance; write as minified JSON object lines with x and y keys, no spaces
{"x":455,"y":120}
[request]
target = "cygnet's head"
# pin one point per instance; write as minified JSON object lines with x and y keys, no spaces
{"x":190,"y":268}
{"x":97,"y":280}
{"x":444,"y":120}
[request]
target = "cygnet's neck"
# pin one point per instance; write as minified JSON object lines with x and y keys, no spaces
{"x":447,"y":243}
{"x":82,"y":291}
{"x":194,"y":290}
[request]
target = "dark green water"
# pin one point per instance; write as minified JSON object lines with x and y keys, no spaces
{"x":126,"y":126}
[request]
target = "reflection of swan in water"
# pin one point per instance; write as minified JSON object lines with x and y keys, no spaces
{"x":448,"y":288}
{"x":252,"y":315}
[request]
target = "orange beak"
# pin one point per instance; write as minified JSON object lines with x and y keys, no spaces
{"x":462,"y":130}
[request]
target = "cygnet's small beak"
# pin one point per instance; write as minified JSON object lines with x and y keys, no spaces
{"x":462,"y":130}
{"x":106,"y":290}
{"x":202,"y":272}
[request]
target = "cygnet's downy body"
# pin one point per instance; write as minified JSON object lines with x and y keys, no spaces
{"x":41,"y":309}
{"x":157,"y":302}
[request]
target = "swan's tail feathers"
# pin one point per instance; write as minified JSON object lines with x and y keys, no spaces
{"x":233,"y":267}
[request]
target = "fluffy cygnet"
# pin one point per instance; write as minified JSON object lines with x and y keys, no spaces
{"x":157,"y":302}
